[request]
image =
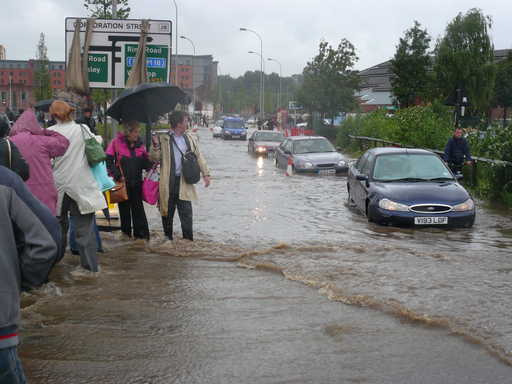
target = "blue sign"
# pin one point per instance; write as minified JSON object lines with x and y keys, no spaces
{"x":151,"y":62}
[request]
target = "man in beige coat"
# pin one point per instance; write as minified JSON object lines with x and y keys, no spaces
{"x":175,"y":192}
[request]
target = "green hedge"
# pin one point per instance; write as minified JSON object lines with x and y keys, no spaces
{"x":426,"y":127}
{"x":431,"y":127}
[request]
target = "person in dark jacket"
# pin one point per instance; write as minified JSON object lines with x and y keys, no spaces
{"x":127,"y":153}
{"x":88,"y":120}
{"x":10,"y":156}
{"x":10,"y":179}
{"x":456,"y":152}
{"x":26,"y":257}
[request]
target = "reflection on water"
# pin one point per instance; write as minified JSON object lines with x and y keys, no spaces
{"x":259,"y":164}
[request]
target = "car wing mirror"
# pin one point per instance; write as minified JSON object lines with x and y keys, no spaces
{"x":459,"y":176}
{"x":361,"y":177}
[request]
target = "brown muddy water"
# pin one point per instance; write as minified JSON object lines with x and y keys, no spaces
{"x":284,"y":284}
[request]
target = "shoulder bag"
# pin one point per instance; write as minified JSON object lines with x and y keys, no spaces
{"x":189,"y":164}
{"x":93,"y":150}
{"x":118,"y":194}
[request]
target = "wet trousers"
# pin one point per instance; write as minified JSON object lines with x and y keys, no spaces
{"x":132,"y":211}
{"x":11,"y":371}
{"x":85,"y":237}
{"x":184,"y":211}
{"x":72,"y":237}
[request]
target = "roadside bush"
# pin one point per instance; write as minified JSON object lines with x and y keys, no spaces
{"x":420,"y":126}
{"x":430,"y":127}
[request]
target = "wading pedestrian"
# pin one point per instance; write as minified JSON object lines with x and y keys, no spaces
{"x":127,"y":157}
{"x":456,"y":152}
{"x":26,"y":257}
{"x":78,"y":192}
{"x":175,"y":192}
{"x":39,"y":146}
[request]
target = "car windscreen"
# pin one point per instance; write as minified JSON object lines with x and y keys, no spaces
{"x":233,"y":124}
{"x":312,"y":146}
{"x":410,"y":167}
{"x":269,"y":136}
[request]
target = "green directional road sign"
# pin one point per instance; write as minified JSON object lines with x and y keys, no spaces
{"x":156,"y":61}
{"x":98,"y":67}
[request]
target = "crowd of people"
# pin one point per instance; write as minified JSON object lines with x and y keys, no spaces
{"x":47,"y":186}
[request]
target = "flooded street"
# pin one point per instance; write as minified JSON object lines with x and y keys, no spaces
{"x":285,"y":284}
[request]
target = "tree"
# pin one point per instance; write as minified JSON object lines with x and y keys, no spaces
{"x":465,"y":60}
{"x":329,"y":83}
{"x":43,"y":89}
{"x":241,"y":95}
{"x":103,"y":8}
{"x":410,"y":67}
{"x":503,"y":86}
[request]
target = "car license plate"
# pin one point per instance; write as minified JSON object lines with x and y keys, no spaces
{"x":236,"y":136}
{"x":430,"y":220}
{"x":326,"y":171}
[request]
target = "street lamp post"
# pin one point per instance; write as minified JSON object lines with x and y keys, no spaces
{"x":262,"y":80}
{"x":261,"y":97}
{"x":176,"y":48}
{"x":193,"y":65}
{"x":280,"y":76}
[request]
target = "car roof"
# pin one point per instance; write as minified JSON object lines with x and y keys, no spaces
{"x":234,"y":118}
{"x":295,"y":138}
{"x":267,"y":130}
{"x":394,"y":150}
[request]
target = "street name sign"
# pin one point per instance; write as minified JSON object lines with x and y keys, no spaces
{"x":113,"y":49}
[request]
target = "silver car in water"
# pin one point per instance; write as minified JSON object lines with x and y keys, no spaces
{"x":310,"y":154}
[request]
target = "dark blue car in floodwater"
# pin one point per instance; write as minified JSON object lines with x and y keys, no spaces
{"x":412,"y":187}
{"x":234,"y":128}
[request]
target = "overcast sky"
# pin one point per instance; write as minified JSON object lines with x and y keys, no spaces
{"x":291,"y":29}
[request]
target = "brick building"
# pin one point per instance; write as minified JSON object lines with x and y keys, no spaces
{"x":195,"y":72}
{"x":17,"y":79}
{"x":17,"y":82}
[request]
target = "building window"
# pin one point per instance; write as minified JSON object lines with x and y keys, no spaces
{"x":23,"y":96}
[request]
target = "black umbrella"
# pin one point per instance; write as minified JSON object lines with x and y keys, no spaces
{"x":146,"y":102}
{"x":43,"y":105}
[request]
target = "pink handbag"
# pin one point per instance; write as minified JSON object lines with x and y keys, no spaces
{"x":150,"y":186}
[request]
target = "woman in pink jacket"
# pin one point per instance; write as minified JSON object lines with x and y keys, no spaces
{"x":38,"y":146}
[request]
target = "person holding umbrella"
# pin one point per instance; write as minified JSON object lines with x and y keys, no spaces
{"x":175,"y":192}
{"x":127,"y":157}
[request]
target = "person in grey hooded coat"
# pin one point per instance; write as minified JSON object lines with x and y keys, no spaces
{"x":27,"y":254}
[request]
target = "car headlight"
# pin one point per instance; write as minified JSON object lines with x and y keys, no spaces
{"x":342,"y":163}
{"x":468,"y":205}
{"x":261,"y":149}
{"x":392,"y":205}
{"x":308,"y":164}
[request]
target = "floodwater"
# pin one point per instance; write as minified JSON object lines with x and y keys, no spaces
{"x":285,"y":283}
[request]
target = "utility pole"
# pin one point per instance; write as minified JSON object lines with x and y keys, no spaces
{"x":176,"y":47}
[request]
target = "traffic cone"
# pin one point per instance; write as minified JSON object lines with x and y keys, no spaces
{"x":289,"y":167}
